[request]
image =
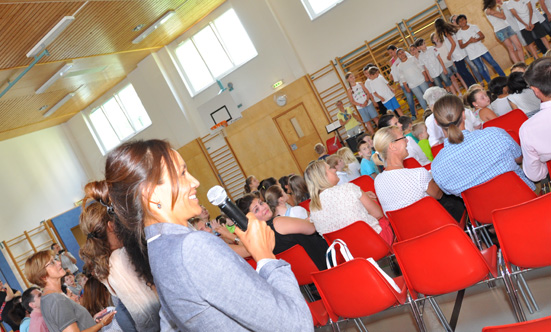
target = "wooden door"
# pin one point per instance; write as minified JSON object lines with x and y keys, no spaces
{"x":299,"y":134}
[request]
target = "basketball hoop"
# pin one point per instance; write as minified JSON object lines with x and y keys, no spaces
{"x":219,"y":126}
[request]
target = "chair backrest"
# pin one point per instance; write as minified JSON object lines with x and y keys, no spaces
{"x":305,"y":204}
{"x":333,"y":144}
{"x":355,"y":289}
{"x":413,"y":163}
{"x":301,"y":264}
{"x":537,"y":325}
{"x":435,"y":149}
{"x":524,"y":232}
{"x":442,"y":261}
{"x":419,"y":218}
{"x":365,"y":182}
{"x":362,"y":241}
{"x":510,"y":122}
{"x":251,"y":262}
{"x":504,"y":190}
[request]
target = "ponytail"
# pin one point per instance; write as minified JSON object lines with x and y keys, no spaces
{"x":448,"y":113}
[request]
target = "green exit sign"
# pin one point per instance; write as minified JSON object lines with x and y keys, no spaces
{"x":277,"y":84}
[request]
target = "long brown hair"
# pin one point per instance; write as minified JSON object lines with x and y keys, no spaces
{"x":298,"y":188}
{"x":448,"y":113}
{"x":444,"y":28}
{"x":95,"y":297}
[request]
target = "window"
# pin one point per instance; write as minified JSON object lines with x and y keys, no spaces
{"x":214,"y":52}
{"x":316,"y":8}
{"x":118,"y":119}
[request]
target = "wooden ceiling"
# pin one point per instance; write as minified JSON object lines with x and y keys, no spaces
{"x":98,"y":42}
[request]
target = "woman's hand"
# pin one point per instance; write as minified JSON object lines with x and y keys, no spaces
{"x":259,"y":239}
{"x":104,"y":318}
{"x":226,"y":235}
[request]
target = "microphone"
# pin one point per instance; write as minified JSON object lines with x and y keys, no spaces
{"x":217,"y":196}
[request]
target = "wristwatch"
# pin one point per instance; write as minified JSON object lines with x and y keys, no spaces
{"x":236,"y":240}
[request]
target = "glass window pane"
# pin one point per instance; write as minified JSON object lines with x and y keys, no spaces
{"x":319,"y":6}
{"x":196,"y":71}
{"x":134,"y":108}
{"x":212,"y":52}
{"x":106,"y":134}
{"x":118,"y":120}
{"x":235,"y":38}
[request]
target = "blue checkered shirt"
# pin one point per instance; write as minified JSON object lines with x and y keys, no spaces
{"x":483,"y":155}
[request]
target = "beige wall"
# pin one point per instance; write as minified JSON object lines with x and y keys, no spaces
{"x":473,"y":10}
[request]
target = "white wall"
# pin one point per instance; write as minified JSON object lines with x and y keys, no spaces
{"x":40,"y":177}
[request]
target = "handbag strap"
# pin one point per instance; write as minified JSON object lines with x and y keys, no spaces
{"x":331,"y":253}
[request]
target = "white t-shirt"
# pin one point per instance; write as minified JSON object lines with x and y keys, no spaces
{"x":354,"y":170}
{"x":370,"y":89}
{"x":343,"y":178}
{"x":497,"y":23}
{"x":411,"y":72}
{"x":537,"y":14}
{"x":443,"y":51}
{"x":359,"y":95}
{"x":474,"y":50}
{"x":429,"y":59}
{"x":399,"y":188}
{"x":341,"y":206}
{"x":526,"y":100}
{"x":297,"y":212}
{"x":436,"y":134}
{"x":521,"y":7}
{"x":509,"y":17}
{"x":501,"y":106}
{"x":458,"y":53}
{"x":380,"y":85}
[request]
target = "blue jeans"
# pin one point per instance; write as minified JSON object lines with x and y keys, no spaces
{"x":409,"y":99}
{"x":418,"y":91}
{"x":474,"y":70}
{"x":464,"y":72}
{"x":482,"y":68}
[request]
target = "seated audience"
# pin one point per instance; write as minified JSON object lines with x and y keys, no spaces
{"x":298,"y":190}
{"x":471,"y":158}
{"x":535,"y":133}
{"x":105,"y":257}
{"x":406,"y":123}
{"x":203,"y":285}
{"x":414,"y":151}
{"x":60,"y":313}
{"x":368,"y":166}
{"x":7,"y":294}
{"x":521,"y":95}
{"x":96,"y":298}
{"x":519,"y":67}
{"x":251,"y":184}
{"x":336,"y":162}
{"x":30,"y":300}
{"x":398,"y":187}
{"x":352,"y":165}
{"x":265,"y":184}
{"x":500,"y":96}
{"x":216,"y":228}
{"x":436,"y":135}
{"x":479,"y":101}
{"x":420,"y":133}
{"x":288,"y":231}
{"x":334,"y":207}
{"x":276,"y":198}
{"x":321,"y":151}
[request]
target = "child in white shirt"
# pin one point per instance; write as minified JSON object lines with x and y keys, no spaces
{"x":336,"y":162}
{"x":380,"y":89}
{"x":455,"y":78}
{"x":431,"y":60}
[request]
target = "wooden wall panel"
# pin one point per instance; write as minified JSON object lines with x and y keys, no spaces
{"x":256,"y":141}
{"x":473,"y":10}
{"x":199,"y":167}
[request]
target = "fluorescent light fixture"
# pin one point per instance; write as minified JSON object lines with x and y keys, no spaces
{"x":55,"y":77}
{"x":59,"y":104}
{"x":154,"y":26}
{"x":50,"y":36}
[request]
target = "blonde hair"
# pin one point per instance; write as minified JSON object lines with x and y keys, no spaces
{"x":383,"y":138}
{"x":35,"y":267}
{"x":333,"y":160}
{"x":418,"y":128}
{"x":272,"y":196}
{"x":448,"y":113}
{"x":316,"y":180}
{"x":347,"y":155}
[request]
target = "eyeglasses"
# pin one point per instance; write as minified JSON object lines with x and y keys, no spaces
{"x":396,"y":140}
{"x":52,"y":261}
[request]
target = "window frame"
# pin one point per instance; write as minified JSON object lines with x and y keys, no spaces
{"x":310,"y":10}
{"x":108,"y":98}
{"x":211,"y":24}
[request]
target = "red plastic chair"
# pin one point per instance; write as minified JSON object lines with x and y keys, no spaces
{"x":524,"y":232}
{"x":365,"y":182}
{"x":444,"y":261}
{"x":510,"y":122}
{"x":413,"y":163}
{"x":419,"y":218}
{"x":537,"y":325}
{"x":436,"y":149}
{"x":362,"y":241}
{"x":356,"y":289}
{"x":251,"y":262}
{"x":303,"y":267}
{"x":333,"y":144}
{"x":305,"y":204}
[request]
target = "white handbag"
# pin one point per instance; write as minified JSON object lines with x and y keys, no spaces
{"x":331,"y":260}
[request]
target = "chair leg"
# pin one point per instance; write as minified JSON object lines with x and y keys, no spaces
{"x":335,"y":326}
{"x":511,"y":291}
{"x":523,"y":287}
{"x":440,"y":315}
{"x":472,"y":229}
{"x":306,"y":289}
{"x":484,"y":234}
{"x":359,"y":325}
{"x":536,"y":307}
{"x":417,"y":315}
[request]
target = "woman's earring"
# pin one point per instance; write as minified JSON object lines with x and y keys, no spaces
{"x":159,"y":206}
